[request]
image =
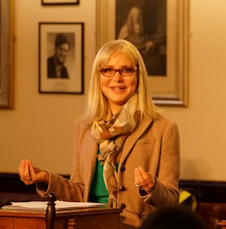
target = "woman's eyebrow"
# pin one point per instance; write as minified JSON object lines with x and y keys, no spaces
{"x":122,"y":66}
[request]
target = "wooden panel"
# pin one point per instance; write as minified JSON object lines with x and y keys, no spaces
{"x":212,"y":213}
{"x":29,"y":223}
{"x":204,"y":191}
{"x":210,"y":196}
{"x":97,"y":221}
{"x":6,"y":223}
{"x":91,"y":218}
{"x":222,"y":224}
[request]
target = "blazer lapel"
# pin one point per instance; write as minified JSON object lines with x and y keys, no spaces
{"x":134,"y":136}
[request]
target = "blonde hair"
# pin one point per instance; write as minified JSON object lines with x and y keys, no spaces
{"x":131,"y":21}
{"x":97,"y":104}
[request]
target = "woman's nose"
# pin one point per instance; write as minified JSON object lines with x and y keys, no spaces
{"x":117,"y":77}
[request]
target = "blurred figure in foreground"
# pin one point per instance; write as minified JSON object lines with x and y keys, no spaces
{"x":173,"y":217}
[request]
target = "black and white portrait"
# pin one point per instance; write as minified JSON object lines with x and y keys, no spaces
{"x":143,"y":23}
{"x":61,"y":53}
{"x":61,"y":57}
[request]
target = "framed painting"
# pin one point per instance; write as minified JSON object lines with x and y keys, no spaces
{"x":61,"y":51}
{"x":6,"y":53}
{"x":60,"y":2}
{"x":160,"y":31}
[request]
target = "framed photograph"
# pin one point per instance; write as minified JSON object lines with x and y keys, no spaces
{"x":61,"y":57}
{"x":6,"y":53}
{"x":160,"y":31}
{"x":60,"y":2}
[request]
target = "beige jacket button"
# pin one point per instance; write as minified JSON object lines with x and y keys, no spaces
{"x":122,"y":188}
{"x":122,"y":206}
{"x":123,"y":168}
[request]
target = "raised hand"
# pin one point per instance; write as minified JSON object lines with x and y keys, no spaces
{"x":143,"y":179}
{"x":30,"y":174}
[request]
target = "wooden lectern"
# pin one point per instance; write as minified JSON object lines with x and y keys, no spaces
{"x":92,"y":218}
{"x":222,"y":224}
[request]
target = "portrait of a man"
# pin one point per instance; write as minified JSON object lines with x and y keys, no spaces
{"x":61,"y":57}
{"x":55,"y":63}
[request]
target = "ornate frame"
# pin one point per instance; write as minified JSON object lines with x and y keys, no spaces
{"x":172,"y":89}
{"x":60,"y":2}
{"x":6,"y":53}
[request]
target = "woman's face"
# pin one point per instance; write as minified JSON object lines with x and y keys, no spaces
{"x":136,"y":15}
{"x":118,"y":89}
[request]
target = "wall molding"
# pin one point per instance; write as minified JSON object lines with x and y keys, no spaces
{"x":204,"y":191}
{"x":10,"y":182}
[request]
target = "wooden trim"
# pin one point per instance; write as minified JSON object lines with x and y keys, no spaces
{"x":10,"y":182}
{"x":204,"y":191}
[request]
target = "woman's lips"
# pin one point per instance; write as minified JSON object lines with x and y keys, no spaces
{"x":117,"y":88}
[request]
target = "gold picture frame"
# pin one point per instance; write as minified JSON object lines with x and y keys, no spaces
{"x":6,"y":53}
{"x":60,"y":2}
{"x":172,"y":89}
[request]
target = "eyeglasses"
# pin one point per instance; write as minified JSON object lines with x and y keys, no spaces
{"x":124,"y":71}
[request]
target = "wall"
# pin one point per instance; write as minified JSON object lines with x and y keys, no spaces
{"x":41,"y":126}
{"x":203,"y":125}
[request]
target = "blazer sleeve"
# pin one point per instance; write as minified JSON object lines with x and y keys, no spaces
{"x":166,"y":187}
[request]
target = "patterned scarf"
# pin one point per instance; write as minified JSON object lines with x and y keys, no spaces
{"x":111,"y":135}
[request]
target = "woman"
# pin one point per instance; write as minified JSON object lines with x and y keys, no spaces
{"x":126,"y":153}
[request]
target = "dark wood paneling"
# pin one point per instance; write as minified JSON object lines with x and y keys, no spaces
{"x":10,"y":182}
{"x":210,"y":195}
{"x":13,"y":189}
{"x":206,"y":191}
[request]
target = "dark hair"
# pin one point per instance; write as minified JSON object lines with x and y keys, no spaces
{"x":61,"y":39}
{"x":173,"y":218}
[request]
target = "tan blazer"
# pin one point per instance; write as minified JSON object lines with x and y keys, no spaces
{"x":153,"y":145}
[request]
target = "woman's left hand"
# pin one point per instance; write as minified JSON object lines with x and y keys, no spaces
{"x":143,"y":179}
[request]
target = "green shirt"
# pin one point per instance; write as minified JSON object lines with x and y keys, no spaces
{"x":98,"y":191}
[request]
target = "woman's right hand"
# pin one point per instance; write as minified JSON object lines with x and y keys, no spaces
{"x":30,"y":175}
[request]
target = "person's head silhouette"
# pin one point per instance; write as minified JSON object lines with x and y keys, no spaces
{"x":173,"y":218}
